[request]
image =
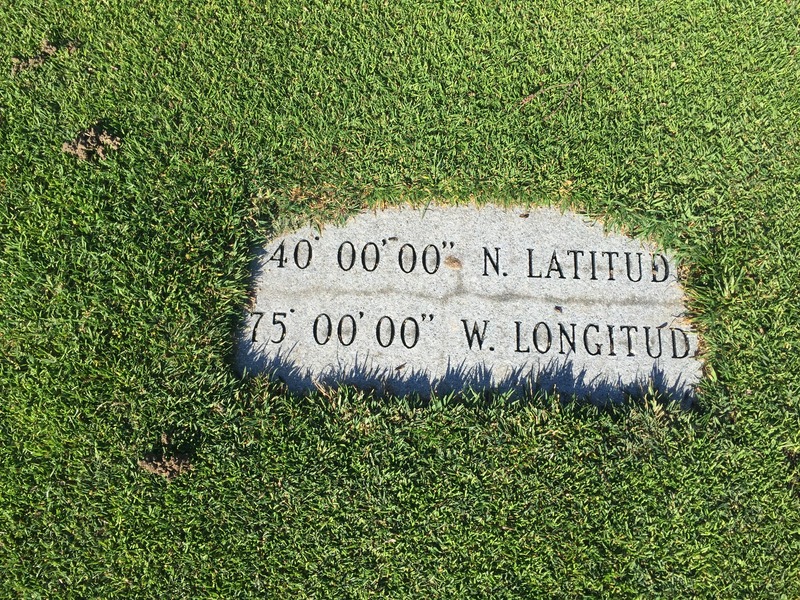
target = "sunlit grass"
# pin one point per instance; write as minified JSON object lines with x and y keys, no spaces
{"x":122,"y":280}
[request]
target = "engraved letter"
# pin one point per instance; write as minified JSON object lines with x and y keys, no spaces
{"x":562,"y":333}
{"x":628,"y":265}
{"x":611,"y":341}
{"x":593,"y":253}
{"x":536,"y":337}
{"x":475,"y":334}
{"x":518,"y":349}
{"x":597,"y":347}
{"x":611,"y":256}
{"x":554,"y":266}
{"x":675,"y":343}
{"x":656,"y":269}
{"x":630,"y":343}
{"x":487,"y":260}
{"x":575,"y":254}
{"x":530,"y":265}
{"x":647,"y":342}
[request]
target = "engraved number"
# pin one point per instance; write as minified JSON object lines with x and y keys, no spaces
{"x":276,"y":320}
{"x":302,"y":257}
{"x":279,"y":323}
{"x":381,"y":339}
{"x":410,"y":323}
{"x":298,"y":257}
{"x":328,"y":329}
{"x":258,"y":320}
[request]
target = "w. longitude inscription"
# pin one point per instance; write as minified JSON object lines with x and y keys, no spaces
{"x":411,"y":300}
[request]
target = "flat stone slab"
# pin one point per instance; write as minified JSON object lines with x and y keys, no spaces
{"x":438,"y":300}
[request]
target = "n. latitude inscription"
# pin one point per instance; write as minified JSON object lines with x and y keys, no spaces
{"x":419,"y":301}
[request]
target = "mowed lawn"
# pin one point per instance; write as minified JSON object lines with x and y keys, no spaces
{"x":134,"y":463}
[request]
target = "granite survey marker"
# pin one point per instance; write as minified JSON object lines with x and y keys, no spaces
{"x":411,"y":300}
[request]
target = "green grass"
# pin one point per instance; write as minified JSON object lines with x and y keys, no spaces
{"x":121,"y":283}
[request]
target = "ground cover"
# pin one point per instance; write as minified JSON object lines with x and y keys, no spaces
{"x":145,"y":147}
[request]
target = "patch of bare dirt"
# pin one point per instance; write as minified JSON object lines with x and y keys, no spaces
{"x":46,"y":51}
{"x":166,"y":466}
{"x":165,"y":463}
{"x":93,"y":142}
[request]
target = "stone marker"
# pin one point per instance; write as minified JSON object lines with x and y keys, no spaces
{"x":411,"y":300}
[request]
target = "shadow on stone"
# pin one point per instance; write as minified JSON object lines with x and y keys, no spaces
{"x":557,"y":376}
